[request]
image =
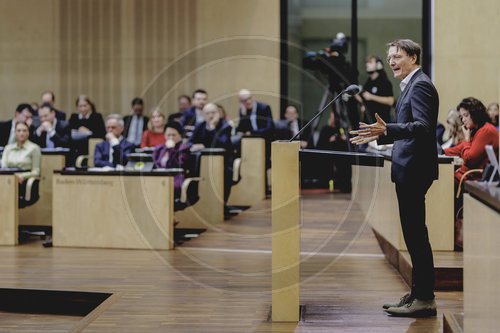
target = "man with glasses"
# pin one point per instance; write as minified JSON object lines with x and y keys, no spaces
{"x":414,"y":168}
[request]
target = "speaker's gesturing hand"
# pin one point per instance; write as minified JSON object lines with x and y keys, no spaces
{"x":369,"y":132}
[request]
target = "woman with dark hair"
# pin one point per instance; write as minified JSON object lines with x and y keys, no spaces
{"x":87,"y":120}
{"x":172,"y":154}
{"x":478,"y":132}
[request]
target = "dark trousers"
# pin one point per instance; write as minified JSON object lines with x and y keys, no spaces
{"x":411,"y":200}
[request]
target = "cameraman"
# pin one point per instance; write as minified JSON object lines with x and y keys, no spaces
{"x":377,"y":96}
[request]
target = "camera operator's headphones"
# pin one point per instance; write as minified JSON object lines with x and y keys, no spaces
{"x":380,"y":64}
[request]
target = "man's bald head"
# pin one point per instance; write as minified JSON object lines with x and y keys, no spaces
{"x":245,"y":97}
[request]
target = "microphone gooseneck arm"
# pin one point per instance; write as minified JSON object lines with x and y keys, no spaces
{"x":351,"y":90}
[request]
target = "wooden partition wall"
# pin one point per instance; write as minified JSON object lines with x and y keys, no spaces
{"x":466,"y":50}
{"x":115,"y":50}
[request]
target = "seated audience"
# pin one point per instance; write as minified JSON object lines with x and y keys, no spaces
{"x":136,"y":124}
{"x":114,"y":150}
{"x":25,"y":155}
{"x":184,"y":103}
{"x":52,"y":132}
{"x":478,"y":132}
{"x":493,"y":114}
{"x":333,"y":137}
{"x":194,"y":115}
{"x":173,"y":153}
{"x":295,"y":124}
{"x":87,"y":120}
{"x":24,"y":113}
{"x":455,"y":133}
{"x":255,"y":117}
{"x":155,"y":134}
{"x":215,"y":132}
{"x":223,"y":115}
{"x":48,"y":97}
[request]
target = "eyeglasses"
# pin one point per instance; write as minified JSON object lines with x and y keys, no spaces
{"x":396,"y":58}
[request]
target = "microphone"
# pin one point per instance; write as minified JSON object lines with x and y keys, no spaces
{"x":351,"y":91}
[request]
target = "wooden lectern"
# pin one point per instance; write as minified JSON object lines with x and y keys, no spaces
{"x":285,"y":157}
{"x":286,"y":233}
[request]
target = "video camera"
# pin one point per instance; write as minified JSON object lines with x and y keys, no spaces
{"x":332,"y":62}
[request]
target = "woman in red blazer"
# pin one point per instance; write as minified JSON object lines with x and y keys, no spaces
{"x":478,"y":132}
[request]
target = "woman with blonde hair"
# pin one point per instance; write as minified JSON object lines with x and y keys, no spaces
{"x":455,"y":133}
{"x":155,"y":134}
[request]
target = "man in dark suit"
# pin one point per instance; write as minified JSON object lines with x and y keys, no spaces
{"x":414,"y":168}
{"x":194,"y":115}
{"x":295,"y":124}
{"x":48,"y":97}
{"x":215,"y":132}
{"x":115,"y":149}
{"x":255,"y":117}
{"x":52,"y":132}
{"x":24,"y":113}
{"x":136,"y":123}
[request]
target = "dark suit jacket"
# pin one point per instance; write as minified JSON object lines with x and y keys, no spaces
{"x":414,"y":156}
{"x":128,"y":119}
{"x":95,"y":123}
{"x":220,"y":137}
{"x":283,"y":131}
{"x":120,"y":152}
{"x":189,"y":117}
{"x":60,"y":139}
{"x":5,"y":127}
{"x":60,"y":115}
{"x":265,"y":124}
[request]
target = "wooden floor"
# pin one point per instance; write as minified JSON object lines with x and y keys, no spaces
{"x":220,"y":282}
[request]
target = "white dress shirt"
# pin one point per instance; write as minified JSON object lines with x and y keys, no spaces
{"x":407,"y":79}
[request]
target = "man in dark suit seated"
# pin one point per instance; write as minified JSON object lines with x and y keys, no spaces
{"x":295,"y":124}
{"x":24,"y":113}
{"x":115,"y":149}
{"x":48,"y":97}
{"x":194,"y":115}
{"x":215,"y":132}
{"x":255,"y":117}
{"x":137,"y":123}
{"x":52,"y":132}
{"x":413,"y":169}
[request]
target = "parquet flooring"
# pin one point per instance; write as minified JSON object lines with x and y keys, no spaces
{"x":220,"y":282}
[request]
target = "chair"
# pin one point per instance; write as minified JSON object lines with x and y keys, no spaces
{"x":88,"y":160}
{"x":29,"y":197}
{"x":236,"y":171}
{"x":189,"y":190}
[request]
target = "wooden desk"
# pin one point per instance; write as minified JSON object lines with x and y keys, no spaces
{"x":252,"y":187}
{"x":40,"y":213}
{"x":209,"y":210}
{"x":481,"y":263}
{"x":374,"y":192}
{"x":9,"y":198}
{"x":130,"y":210}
